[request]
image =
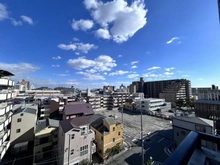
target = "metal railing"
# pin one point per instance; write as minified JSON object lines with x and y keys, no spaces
{"x":184,"y":151}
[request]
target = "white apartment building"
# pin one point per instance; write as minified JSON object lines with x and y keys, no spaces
{"x":5,"y":110}
{"x":151,"y":104}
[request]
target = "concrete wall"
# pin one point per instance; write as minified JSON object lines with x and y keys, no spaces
{"x":27,"y":126}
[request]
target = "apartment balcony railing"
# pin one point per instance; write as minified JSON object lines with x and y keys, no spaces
{"x":185,"y":150}
{"x":6,"y":82}
{"x":3,"y":148}
{"x":93,"y":148}
{"x":4,"y":95}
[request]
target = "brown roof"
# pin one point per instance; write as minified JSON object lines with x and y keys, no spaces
{"x":78,"y":108}
{"x":76,"y":122}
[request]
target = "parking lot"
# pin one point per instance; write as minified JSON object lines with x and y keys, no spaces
{"x":132,"y":122}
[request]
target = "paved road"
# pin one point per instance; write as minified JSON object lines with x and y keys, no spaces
{"x":153,"y":148}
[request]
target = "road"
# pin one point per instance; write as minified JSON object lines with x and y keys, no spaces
{"x":154,"y":146}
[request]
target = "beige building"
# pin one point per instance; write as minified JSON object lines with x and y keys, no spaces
{"x":108,"y":134}
{"x":75,"y":141}
{"x":23,"y":124}
{"x":46,"y":140}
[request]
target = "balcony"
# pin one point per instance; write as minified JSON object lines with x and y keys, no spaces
{"x":6,"y":82}
{"x":191,"y":152}
{"x":93,"y":148}
{"x":3,"y":148}
{"x":4,"y":95}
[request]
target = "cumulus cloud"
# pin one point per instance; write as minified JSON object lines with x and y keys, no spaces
{"x":3,"y":12}
{"x":172,"y":40}
{"x":27,"y":19}
{"x":168,"y":73}
{"x":85,"y":48}
{"x":75,"y":39}
{"x":90,"y":76}
{"x":62,"y":75}
{"x":154,"y":68}
{"x":152,"y":75}
{"x":119,"y":55}
{"x":77,"y":53}
{"x":123,"y":21}
{"x":133,"y":75}
{"x":169,"y":69}
{"x":56,"y":58}
{"x":134,"y":62}
{"x":118,"y":72}
{"x":19,"y":68}
{"x":133,"y":67}
{"x":102,"y":33}
{"x":55,"y":66}
{"x":99,"y":64}
{"x":82,"y":24}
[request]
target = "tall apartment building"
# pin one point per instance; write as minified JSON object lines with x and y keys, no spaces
{"x":180,"y":89}
{"x":5,"y":110}
{"x":137,"y":86}
{"x":212,"y":93}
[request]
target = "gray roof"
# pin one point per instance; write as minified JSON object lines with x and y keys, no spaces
{"x":5,"y":73}
{"x":32,"y":109}
{"x":42,"y":124}
{"x":94,"y":117}
{"x":78,"y":108}
{"x":98,"y":125}
{"x":76,"y":122}
{"x":110,"y":120}
{"x":208,"y":101}
{"x":195,"y":120}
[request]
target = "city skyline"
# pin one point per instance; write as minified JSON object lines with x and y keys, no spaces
{"x":90,"y":43}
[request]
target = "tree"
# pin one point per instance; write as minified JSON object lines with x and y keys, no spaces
{"x":149,"y":162}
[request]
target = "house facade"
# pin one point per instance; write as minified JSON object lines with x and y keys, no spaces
{"x":75,"y":141}
{"x":108,"y":134}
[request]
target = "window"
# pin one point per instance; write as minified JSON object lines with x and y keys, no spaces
{"x":183,"y":133}
{"x":83,"y":131}
{"x":21,"y":114}
{"x":73,"y":136}
{"x":200,"y":128}
{"x":19,"y":120}
{"x":113,"y":140}
{"x":177,"y":134}
{"x":83,"y":150}
{"x":101,"y":138}
{"x":113,"y":128}
{"x":119,"y":133}
{"x":72,"y":152}
{"x":18,"y":130}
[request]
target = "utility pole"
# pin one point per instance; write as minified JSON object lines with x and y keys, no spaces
{"x":69,"y":152}
{"x":142,"y":140}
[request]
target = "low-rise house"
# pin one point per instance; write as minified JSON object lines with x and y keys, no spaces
{"x":75,"y":141}
{"x":108,"y":134}
{"x":76,"y":109}
{"x":23,"y":124}
{"x":182,"y":126}
{"x":46,"y":139}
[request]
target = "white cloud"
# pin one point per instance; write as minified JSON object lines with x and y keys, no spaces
{"x":85,"y":48}
{"x":152,"y":75}
{"x":148,"y":52}
{"x":169,"y":69}
{"x":19,"y":68}
{"x":55,"y":66}
{"x":124,"y":20}
{"x":62,"y":75}
{"x":77,"y":53}
{"x":75,"y":39}
{"x":133,"y":67}
{"x":92,"y":76}
{"x":3,"y":12}
{"x":118,"y":72}
{"x":119,"y":55}
{"x":134,"y":62}
{"x":186,"y":75}
{"x":102,"y":33}
{"x":99,"y":64}
{"x":16,"y":23}
{"x":56,"y":58}
{"x":154,"y":68}
{"x":172,"y":39}
{"x":82,"y":24}
{"x":168,"y":73}
{"x":133,"y":75}
{"x":27,"y":19}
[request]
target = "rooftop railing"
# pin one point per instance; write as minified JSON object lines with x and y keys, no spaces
{"x":184,"y":151}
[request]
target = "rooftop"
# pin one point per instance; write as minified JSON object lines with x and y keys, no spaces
{"x":78,"y":108}
{"x":196,"y":120}
{"x":5,"y":73}
{"x":208,"y":101}
{"x":42,"y":124}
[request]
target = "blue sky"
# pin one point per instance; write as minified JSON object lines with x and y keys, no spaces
{"x":93,"y":43}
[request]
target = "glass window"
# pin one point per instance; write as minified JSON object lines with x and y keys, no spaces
{"x":18,"y":130}
{"x":83,"y":150}
{"x":113,"y":140}
{"x":72,"y":152}
{"x":119,"y":133}
{"x":73,"y":136}
{"x":19,"y":120}
{"x":113,"y":128}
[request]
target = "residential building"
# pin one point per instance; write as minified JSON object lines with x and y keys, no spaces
{"x":95,"y":101}
{"x":123,"y":89}
{"x":152,"y":89}
{"x":182,"y":126}
{"x":118,"y":98}
{"x":152,"y":105}
{"x":23,"y":124}
{"x":23,"y":85}
{"x":107,"y":90}
{"x":6,"y":86}
{"x":75,"y":141}
{"x":41,"y":94}
{"x":137,"y":86}
{"x":129,"y":104}
{"x":45,"y":140}
{"x":108,"y":134}
{"x":76,"y":109}
{"x":56,"y":108}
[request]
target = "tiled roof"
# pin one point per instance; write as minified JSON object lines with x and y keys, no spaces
{"x":78,"y":108}
{"x":76,"y":122}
